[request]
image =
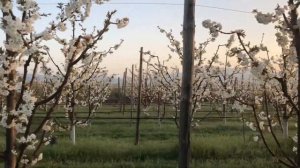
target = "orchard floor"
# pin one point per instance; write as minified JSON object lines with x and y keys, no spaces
{"x":110,"y":144}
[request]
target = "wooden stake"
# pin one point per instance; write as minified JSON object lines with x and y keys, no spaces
{"x":119,"y":93}
{"x":124,"y":91}
{"x":131,"y":92}
{"x":137,"y":133}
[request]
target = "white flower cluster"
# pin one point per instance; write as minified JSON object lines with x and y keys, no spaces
{"x":28,"y":104}
{"x":76,"y":7}
{"x":295,"y":139}
{"x":31,"y":141}
{"x":3,"y":86}
{"x":213,"y":27}
{"x":25,"y":160}
{"x":239,"y":107}
{"x":264,"y":18}
{"x":26,"y":5}
{"x":35,"y":160}
{"x":121,"y":23}
{"x":22,"y":114}
{"x":251,"y":125}
{"x":174,"y":46}
{"x":262,"y":116}
{"x":243,"y":59}
{"x":12,"y":29}
{"x":282,"y":39}
{"x":16,"y":28}
{"x":62,"y":26}
{"x":48,"y":126}
{"x":8,"y":6}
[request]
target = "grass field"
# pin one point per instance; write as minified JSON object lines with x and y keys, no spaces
{"x":110,"y":144}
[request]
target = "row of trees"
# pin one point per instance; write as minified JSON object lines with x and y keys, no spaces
{"x":272,"y":97}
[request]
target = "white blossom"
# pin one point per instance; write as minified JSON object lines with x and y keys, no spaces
{"x":263,"y":18}
{"x":251,"y":125}
{"x":121,"y":23}
{"x":295,"y":149}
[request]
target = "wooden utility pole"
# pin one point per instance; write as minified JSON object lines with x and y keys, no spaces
{"x":186,"y":85}
{"x":137,"y":133}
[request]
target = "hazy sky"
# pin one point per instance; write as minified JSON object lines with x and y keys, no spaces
{"x":144,"y":19}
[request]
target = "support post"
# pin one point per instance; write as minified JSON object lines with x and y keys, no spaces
{"x":186,"y":86}
{"x":137,"y":133}
{"x":131,"y":91}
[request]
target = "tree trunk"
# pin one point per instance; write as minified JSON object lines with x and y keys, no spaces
{"x":137,"y":133}
{"x":244,"y":137}
{"x":73,"y":133}
{"x":285,"y":127}
{"x":224,"y":113}
{"x":158,"y":108}
{"x":186,"y":86}
{"x":10,"y":158}
{"x":164,"y":110}
{"x":1,"y":104}
{"x":45,"y":94}
{"x":73,"y":116}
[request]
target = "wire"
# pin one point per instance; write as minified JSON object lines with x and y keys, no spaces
{"x":165,"y":4}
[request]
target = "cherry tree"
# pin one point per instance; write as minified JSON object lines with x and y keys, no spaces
{"x":88,"y":76}
{"x":26,"y":47}
{"x":277,"y":79}
{"x":226,"y":75}
{"x":168,"y":77}
{"x":88,"y":88}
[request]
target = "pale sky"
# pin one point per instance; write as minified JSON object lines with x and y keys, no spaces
{"x":144,"y":19}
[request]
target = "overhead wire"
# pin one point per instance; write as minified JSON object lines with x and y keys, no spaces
{"x":165,"y":4}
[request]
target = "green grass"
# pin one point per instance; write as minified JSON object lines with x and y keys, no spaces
{"x":110,"y":144}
